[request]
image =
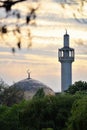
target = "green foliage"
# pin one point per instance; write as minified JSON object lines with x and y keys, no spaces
{"x":40,"y":93}
{"x":48,"y":112}
{"x":10,"y":95}
{"x":61,"y":112}
{"x":77,"y":86}
{"x":78,"y":120}
{"x":47,"y":128}
{"x":9,"y":116}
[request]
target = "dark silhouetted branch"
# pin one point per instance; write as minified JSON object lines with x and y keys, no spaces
{"x":9,"y":3}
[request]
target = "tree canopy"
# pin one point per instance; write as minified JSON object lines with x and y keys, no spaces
{"x":78,"y":119}
{"x":61,"y":112}
{"x":49,"y":112}
{"x":10,"y":95}
{"x":79,"y":86}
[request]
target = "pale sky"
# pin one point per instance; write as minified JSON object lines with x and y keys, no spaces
{"x":47,"y":36}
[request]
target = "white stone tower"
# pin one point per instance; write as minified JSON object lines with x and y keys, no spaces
{"x":66,"y":57}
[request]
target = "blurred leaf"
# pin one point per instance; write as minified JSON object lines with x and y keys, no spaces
{"x":4,"y":29}
{"x":28,"y":18}
{"x":19,"y":45}
{"x":13,"y":50}
{"x":18,"y":15}
{"x":62,"y":5}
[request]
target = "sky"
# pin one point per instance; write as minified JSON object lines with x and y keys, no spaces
{"x":53,"y":18}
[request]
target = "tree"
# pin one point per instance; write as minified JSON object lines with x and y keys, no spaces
{"x":48,"y":112}
{"x":9,"y":116}
{"x":15,"y":26}
{"x":39,"y":94}
{"x":79,"y":9}
{"x":10,"y":95}
{"x":78,"y":118}
{"x":77,"y":86}
{"x":9,"y":3}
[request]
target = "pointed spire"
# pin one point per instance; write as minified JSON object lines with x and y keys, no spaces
{"x":66,"y":31}
{"x":66,"y":39}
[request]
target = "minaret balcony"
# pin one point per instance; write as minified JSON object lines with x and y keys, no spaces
{"x":66,"y":54}
{"x":66,"y":59}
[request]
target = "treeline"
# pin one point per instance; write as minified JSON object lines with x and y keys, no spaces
{"x":64,"y":111}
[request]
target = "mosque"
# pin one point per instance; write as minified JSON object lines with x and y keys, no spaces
{"x":66,"y":57}
{"x":30,"y":87}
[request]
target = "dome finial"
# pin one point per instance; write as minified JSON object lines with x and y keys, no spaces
{"x":28,"y":72}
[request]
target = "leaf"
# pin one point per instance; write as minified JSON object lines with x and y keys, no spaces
{"x":13,"y":50}
{"x":19,"y":45}
{"x":4,"y":29}
{"x":18,"y":15}
{"x":28,"y":18}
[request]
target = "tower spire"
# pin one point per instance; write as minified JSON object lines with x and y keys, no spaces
{"x":66,"y":39}
{"x":66,"y":31}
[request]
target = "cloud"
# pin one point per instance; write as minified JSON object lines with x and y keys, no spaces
{"x":47,"y":37}
{"x":80,"y":42}
{"x":66,"y":1}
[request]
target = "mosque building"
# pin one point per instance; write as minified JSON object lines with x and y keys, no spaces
{"x":66,"y":56}
{"x":30,"y":87}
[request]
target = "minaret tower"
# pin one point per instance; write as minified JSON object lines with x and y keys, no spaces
{"x":66,"y":57}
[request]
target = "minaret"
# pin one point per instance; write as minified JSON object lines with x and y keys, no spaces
{"x":66,"y":57}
